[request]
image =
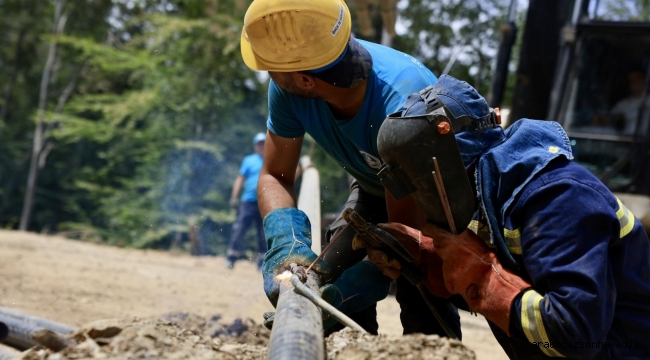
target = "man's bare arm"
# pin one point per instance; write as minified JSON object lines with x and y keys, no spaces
{"x":275,"y":188}
{"x":236,"y":186}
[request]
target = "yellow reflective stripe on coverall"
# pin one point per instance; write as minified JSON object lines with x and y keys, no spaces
{"x":512,"y":238}
{"x":626,"y":218}
{"x":533,"y":324}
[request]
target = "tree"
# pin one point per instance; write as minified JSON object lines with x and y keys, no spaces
{"x":39,"y":150}
{"x":168,"y":142}
{"x":438,"y":29}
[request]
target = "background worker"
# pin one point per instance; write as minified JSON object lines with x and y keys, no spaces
{"x":624,"y":114}
{"x":627,"y":109}
{"x":554,"y":261}
{"x":248,"y":212}
{"x":339,"y":90}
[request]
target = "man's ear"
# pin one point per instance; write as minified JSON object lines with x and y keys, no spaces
{"x":305,"y":81}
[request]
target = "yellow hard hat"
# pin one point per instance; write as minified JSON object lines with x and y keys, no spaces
{"x":294,"y":35}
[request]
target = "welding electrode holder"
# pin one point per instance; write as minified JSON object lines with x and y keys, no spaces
{"x":380,"y":239}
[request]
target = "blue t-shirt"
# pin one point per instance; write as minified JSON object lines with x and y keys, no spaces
{"x":353,"y":142}
{"x":250,"y":170}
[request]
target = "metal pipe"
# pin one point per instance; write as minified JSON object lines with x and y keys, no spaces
{"x":18,"y":335}
{"x":37,"y":321}
{"x":298,"y":326}
{"x":309,"y":200}
{"x":318,"y":301}
{"x":21,"y":325}
{"x":4,"y":331}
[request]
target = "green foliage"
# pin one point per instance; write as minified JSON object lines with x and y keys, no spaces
{"x":168,"y":144}
{"x":150,"y":140}
{"x":437,"y":29}
{"x":624,"y":10}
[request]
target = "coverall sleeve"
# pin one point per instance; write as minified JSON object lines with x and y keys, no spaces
{"x":568,"y":226}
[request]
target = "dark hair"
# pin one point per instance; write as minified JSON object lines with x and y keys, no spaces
{"x":639,"y":66}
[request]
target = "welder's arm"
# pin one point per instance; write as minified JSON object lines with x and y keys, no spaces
{"x":471,"y":270}
{"x":573,"y":298}
{"x":287,"y":229}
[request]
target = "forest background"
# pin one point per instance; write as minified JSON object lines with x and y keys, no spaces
{"x":125,"y":121}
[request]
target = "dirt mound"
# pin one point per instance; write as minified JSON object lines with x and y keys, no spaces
{"x":188,"y":336}
{"x":144,"y":339}
{"x":241,"y":331}
{"x":349,"y":344}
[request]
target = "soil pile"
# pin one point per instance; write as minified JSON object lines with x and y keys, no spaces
{"x":144,"y":339}
{"x":240,"y":331}
{"x":352,"y":345}
{"x":187,"y":336}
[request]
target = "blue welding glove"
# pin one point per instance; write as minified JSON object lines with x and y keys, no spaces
{"x":288,"y":237}
{"x":358,"y":287}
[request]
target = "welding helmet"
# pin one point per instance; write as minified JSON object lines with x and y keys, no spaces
{"x":294,"y":35}
{"x":447,"y":121}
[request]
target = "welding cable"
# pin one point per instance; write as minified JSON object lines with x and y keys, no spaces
{"x":303,"y":290}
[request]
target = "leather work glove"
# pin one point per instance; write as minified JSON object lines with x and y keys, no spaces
{"x":288,"y":237}
{"x":470,"y":269}
{"x":418,"y":245}
{"x":358,"y":287}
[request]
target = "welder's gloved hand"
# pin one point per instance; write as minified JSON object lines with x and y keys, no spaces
{"x":424,"y":256}
{"x":470,"y":269}
{"x":358,"y":287}
{"x":288,"y":237}
{"x":388,"y":267}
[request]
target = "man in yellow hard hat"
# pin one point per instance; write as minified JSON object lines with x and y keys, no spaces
{"x":339,"y":90}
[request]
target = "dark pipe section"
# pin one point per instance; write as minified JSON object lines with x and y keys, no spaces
{"x":298,"y":326}
{"x":18,"y":335}
{"x":4,"y":331}
{"x":20,"y":325}
{"x":38,"y":322}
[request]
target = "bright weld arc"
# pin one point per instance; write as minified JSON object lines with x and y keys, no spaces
{"x":284,"y":275}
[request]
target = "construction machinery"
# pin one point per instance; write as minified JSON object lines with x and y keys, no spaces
{"x":587,"y":67}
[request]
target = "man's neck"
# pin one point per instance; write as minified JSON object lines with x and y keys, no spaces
{"x":346,"y":103}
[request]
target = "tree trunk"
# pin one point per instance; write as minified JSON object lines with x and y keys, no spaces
{"x":59,"y":24}
{"x":14,"y":75}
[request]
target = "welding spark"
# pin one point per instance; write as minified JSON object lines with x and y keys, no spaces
{"x":283,"y":276}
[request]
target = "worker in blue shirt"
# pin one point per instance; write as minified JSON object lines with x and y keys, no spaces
{"x":339,"y":91}
{"x":554,"y":261}
{"x":248,"y":211}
